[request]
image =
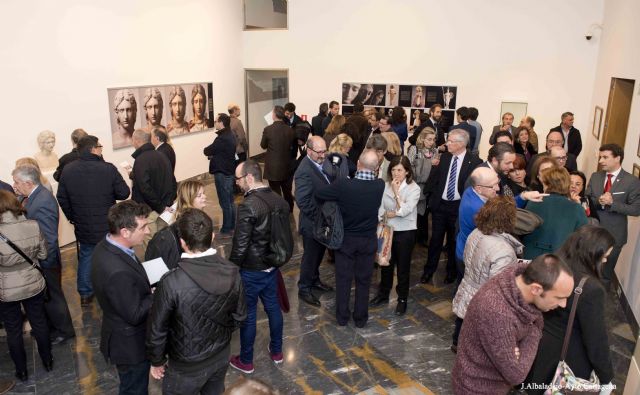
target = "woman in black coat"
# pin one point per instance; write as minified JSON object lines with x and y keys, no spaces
{"x":523,"y":146}
{"x":585,"y":251}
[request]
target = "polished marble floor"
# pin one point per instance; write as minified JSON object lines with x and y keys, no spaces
{"x":391,"y":355}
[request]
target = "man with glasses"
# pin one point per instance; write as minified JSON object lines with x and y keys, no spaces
{"x":88,"y":188}
{"x":562,"y":157}
{"x":446,"y":188}
{"x":309,"y":178}
{"x":554,"y":139}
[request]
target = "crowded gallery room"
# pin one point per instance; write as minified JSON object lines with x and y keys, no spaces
{"x":320,"y":197}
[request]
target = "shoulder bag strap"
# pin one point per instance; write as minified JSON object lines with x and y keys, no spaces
{"x":572,"y":316}
{"x":16,"y":249}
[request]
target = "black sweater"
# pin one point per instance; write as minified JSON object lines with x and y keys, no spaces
{"x":359,"y":201}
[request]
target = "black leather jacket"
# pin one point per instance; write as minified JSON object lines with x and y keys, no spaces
{"x":196,"y":307}
{"x":253,"y":231}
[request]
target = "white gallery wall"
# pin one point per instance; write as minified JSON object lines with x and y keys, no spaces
{"x":59,"y":58}
{"x":494,"y":51}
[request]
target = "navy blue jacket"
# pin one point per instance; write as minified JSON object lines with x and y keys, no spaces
{"x":43,"y":208}
{"x":6,"y":187}
{"x":308,"y":179}
{"x":153,"y":181}
{"x":222,"y":153}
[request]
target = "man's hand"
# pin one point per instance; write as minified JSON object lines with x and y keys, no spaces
{"x":533,"y":196}
{"x":606,"y":199}
{"x":157,"y":372}
{"x":504,"y":128}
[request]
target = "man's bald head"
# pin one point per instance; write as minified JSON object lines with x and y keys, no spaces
{"x":368,"y":160}
{"x":559,"y":154}
{"x":316,"y":149}
{"x":485,"y":182}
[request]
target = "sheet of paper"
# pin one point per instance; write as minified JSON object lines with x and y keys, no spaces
{"x":169,"y":216}
{"x":268,"y":118}
{"x":126,"y":166}
{"x":155,"y":269}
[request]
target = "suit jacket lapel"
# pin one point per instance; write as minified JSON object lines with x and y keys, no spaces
{"x":137,"y":267}
{"x":617,"y":184}
{"x":317,"y":171}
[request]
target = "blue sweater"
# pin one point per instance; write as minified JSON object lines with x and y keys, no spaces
{"x":470,"y":204}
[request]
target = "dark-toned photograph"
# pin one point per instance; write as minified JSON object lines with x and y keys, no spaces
{"x":405,"y":95}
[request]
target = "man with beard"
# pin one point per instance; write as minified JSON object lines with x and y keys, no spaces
{"x":435,"y":115}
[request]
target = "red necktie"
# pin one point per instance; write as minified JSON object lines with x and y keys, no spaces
{"x":607,"y":186}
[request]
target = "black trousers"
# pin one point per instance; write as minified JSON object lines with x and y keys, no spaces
{"x":309,"y":267}
{"x":206,"y":381}
{"x":58,"y":315}
{"x":401,"y":249}
{"x":354,"y":260}
{"x":12,"y":319}
{"x":422,"y":234}
{"x":134,"y":379}
{"x":456,"y":331}
{"x":283,"y":188}
{"x":443,"y":223}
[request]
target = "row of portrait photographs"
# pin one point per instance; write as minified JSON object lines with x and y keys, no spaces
{"x":447,"y":120}
{"x":391,"y":95}
{"x":181,"y":109}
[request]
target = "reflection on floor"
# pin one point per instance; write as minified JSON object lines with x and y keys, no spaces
{"x":391,"y":355}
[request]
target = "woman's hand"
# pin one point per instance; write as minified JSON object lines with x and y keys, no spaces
{"x":575,"y":196}
{"x":395,"y":186}
{"x":391,"y":214}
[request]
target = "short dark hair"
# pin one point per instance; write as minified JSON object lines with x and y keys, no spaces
{"x":499,"y":149}
{"x":160,"y":134}
{"x":504,"y":133}
{"x":225,"y":119}
{"x":463,"y":113}
{"x":404,"y":161}
{"x":278,"y":111}
{"x":531,"y":120}
{"x":434,"y":107}
{"x":377,"y":143}
{"x":398,"y":115}
{"x":555,"y":131}
{"x":87,"y":143}
{"x":252,"y":167}
{"x":123,"y":215}
{"x":545,"y":270}
{"x":195,"y":228}
{"x":615,"y":149}
{"x":583,"y":177}
{"x":290,"y":107}
{"x":333,"y":103}
{"x":324,"y":108}
{"x":377,"y":114}
{"x":77,"y":134}
{"x":358,"y":107}
{"x":473,"y":113}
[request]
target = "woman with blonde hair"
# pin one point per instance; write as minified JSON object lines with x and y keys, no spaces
{"x":336,"y":165}
{"x":165,"y":244}
{"x":336,"y":124}
{"x":26,"y":161}
{"x":393,"y":145}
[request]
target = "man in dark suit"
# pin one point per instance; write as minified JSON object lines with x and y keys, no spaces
{"x":124,"y":294}
{"x":67,"y":158}
{"x":153,"y":181}
{"x":291,"y":118}
{"x":462,"y":115}
{"x":280,"y":142}
{"x":507,"y":125}
{"x":42,"y":207}
{"x":435,"y":115}
{"x":555,"y":139}
{"x":615,"y":195}
{"x":309,"y":178}
{"x":446,"y":185}
{"x":571,"y":135}
{"x":159,"y":139}
{"x":359,"y":199}
{"x":316,"y":122}
{"x":334,"y":109}
{"x":88,"y":188}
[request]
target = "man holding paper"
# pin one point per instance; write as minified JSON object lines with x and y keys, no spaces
{"x":122,"y":289}
{"x":195,"y":341}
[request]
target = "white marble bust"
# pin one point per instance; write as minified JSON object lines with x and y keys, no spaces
{"x":46,"y":158}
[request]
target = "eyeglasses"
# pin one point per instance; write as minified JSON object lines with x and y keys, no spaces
{"x":488,"y":186}
{"x":560,"y":158}
{"x":317,"y":152}
{"x":453,"y":141}
{"x":241,"y":177}
{"x":98,"y":146}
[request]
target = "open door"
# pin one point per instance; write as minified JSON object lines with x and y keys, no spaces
{"x":618,"y":110}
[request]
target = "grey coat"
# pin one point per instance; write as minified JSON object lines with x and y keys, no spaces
{"x":626,"y":201}
{"x":484,"y":257}
{"x":18,"y":279}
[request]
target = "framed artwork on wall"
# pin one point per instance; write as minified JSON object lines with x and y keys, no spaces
{"x":597,"y":122}
{"x":638,"y":153}
{"x":636,"y":170}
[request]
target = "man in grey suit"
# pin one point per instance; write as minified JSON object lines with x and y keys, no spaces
{"x":507,"y":126}
{"x":309,"y":177}
{"x":615,"y":195}
{"x":42,"y":207}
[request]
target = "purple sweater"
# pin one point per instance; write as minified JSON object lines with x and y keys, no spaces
{"x":497,"y":321}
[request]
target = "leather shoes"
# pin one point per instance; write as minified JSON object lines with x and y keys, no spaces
{"x":86,"y":300}
{"x":426,"y":278}
{"x":322,"y":286}
{"x":22,"y":376}
{"x":378,"y":301}
{"x":60,"y":339}
{"x":6,"y":385}
{"x":48,"y":366}
{"x":449,"y":280}
{"x":401,"y":308}
{"x":309,"y":298}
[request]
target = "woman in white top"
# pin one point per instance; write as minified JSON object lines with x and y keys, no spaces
{"x":400,"y":206}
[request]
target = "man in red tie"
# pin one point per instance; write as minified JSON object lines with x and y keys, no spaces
{"x":615,"y":194}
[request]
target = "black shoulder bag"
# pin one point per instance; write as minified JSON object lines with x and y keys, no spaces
{"x":24,"y":256}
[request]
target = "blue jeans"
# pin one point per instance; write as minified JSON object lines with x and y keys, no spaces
{"x":265,"y":286}
{"x":224,"y":189}
{"x":84,"y":269}
{"x":134,"y":379}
